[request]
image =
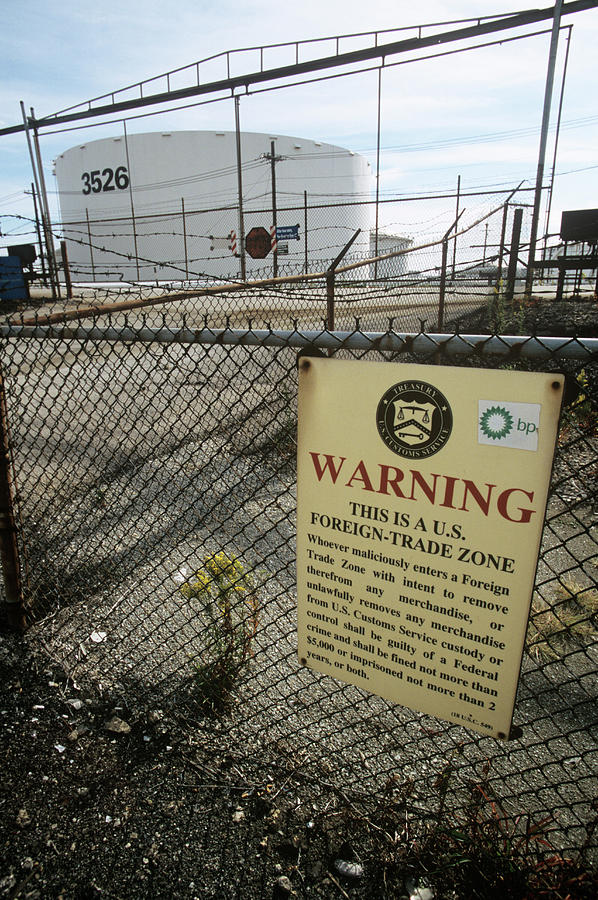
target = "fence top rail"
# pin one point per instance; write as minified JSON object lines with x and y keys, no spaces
{"x":418,"y":343}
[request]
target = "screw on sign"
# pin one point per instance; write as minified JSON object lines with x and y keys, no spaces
{"x":258,"y":243}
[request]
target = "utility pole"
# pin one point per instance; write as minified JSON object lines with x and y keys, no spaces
{"x":554,"y":40}
{"x":37,"y":176}
{"x":240,"y":189}
{"x":273,"y":160}
{"x":457,"y":216}
{"x":556,"y":143}
{"x":53,"y":262}
{"x":39,"y":235}
{"x":376,"y":245}
{"x":305,"y":228}
{"x":134,"y":224}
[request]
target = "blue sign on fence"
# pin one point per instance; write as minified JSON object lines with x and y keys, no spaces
{"x":287,"y":233}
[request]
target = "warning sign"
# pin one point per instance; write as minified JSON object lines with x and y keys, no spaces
{"x":421,"y":498}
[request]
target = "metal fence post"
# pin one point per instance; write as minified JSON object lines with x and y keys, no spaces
{"x":514,"y":253}
{"x":93,"y":270}
{"x":330,"y":274}
{"x":42,"y":254}
{"x":185,"y":238}
{"x":305,"y":228}
{"x":501,"y":249}
{"x":442,"y":289}
{"x":330,"y":299}
{"x":9,"y":550}
{"x":67,"y":272}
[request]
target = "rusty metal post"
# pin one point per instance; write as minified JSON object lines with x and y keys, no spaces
{"x":93,"y":270}
{"x":330,"y":299}
{"x":67,"y":272}
{"x":9,"y":549}
{"x":442,"y":286}
{"x":514,"y":253}
{"x":442,"y":290}
{"x":330,"y":276}
{"x":501,"y":249}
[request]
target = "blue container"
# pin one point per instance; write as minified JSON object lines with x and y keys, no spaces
{"x":12,"y":283}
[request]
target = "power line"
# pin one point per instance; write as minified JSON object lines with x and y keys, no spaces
{"x":242,"y":82}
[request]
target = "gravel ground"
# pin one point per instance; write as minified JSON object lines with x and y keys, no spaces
{"x":115,"y":784}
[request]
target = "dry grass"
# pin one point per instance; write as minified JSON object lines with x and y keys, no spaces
{"x":563,"y":622}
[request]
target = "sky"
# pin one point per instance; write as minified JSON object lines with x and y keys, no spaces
{"x":474,"y":116}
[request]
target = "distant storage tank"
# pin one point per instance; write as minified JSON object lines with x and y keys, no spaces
{"x":164,"y":206}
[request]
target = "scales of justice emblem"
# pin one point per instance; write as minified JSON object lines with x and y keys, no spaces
{"x":413,"y":422}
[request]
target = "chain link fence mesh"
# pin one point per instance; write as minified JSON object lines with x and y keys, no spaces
{"x":418,"y":274}
{"x":137,"y":453}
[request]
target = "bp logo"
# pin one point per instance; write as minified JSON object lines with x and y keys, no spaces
{"x":496,"y":423}
{"x":414,"y":419}
{"x":505,"y":423}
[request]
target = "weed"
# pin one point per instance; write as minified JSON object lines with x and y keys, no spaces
{"x":229,"y":599}
{"x":478,"y":850}
{"x":506,"y":314}
{"x":565,"y":622}
{"x":497,"y":308}
{"x":581,"y":414}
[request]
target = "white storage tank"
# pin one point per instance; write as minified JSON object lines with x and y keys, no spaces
{"x":164,"y":206}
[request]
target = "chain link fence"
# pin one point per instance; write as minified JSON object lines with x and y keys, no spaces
{"x":141,"y":448}
{"x":418,"y":274}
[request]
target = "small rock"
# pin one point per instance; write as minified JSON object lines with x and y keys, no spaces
{"x":282,"y":888}
{"x":420,"y":891}
{"x":98,"y":637}
{"x":347,"y":862}
{"x":117,"y":725}
{"x":238,"y":815}
{"x":348,"y":869}
{"x":23,"y":818}
{"x":76,"y":704}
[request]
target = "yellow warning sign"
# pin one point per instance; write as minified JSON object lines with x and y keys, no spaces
{"x":421,"y":499}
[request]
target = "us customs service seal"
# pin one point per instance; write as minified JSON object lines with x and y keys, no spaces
{"x":414,"y":419}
